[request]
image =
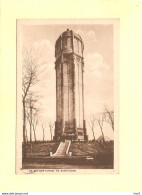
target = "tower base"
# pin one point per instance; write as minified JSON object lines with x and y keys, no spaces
{"x":70,"y":137}
{"x":67,"y":133}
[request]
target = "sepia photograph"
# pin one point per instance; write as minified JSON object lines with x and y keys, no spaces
{"x":67,"y":96}
{"x":70,"y":103}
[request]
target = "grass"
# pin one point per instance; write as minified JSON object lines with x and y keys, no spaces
{"x":90,"y":148}
{"x":102,"y":153}
{"x":41,"y":148}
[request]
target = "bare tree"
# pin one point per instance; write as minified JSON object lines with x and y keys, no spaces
{"x":30,"y":78}
{"x":51,"y":125}
{"x":91,"y":124}
{"x":32,"y":110}
{"x":100,"y":120}
{"x":35,"y":123}
{"x":31,"y":113}
{"x":109,"y":116}
{"x":26,"y":135}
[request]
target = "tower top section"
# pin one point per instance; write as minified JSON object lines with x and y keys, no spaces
{"x":69,"y":42}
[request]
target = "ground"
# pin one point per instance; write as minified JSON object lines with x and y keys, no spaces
{"x":41,"y":148}
{"x":101,"y":153}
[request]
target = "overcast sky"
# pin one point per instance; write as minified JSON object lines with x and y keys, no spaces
{"x":98,"y":75}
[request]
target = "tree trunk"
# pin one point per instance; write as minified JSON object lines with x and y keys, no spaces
{"x":43,"y":135}
{"x":26,"y":135}
{"x":102,"y":135}
{"x":93,"y":134}
{"x":51,"y":133}
{"x":35,"y":135}
{"x":24,"y":128}
{"x":31,"y":130}
{"x":113,"y":126}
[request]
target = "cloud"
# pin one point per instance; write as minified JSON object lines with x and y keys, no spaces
{"x":98,"y":82}
{"x":46,"y":51}
{"x":87,"y":35}
{"x":79,"y":31}
{"x":95,"y":64}
{"x":91,"y":34}
{"x":94,"y":61}
{"x":43,"y":45}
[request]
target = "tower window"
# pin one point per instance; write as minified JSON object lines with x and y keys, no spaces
{"x":80,"y":133}
{"x":78,"y":46}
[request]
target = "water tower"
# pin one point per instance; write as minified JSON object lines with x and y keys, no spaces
{"x":69,"y":66}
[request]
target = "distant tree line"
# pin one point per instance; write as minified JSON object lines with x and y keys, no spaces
{"x":106,"y":116}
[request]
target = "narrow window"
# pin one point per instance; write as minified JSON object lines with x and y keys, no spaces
{"x":78,"y":46}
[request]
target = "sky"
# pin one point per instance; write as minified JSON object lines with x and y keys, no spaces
{"x":98,"y":74}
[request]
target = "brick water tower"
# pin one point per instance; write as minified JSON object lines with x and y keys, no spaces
{"x":69,"y":66}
